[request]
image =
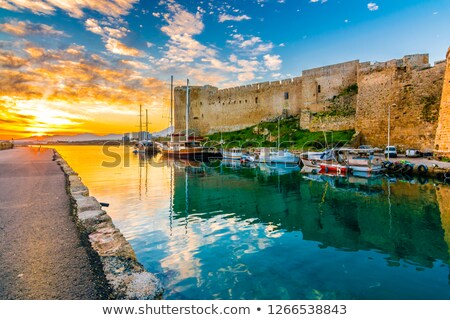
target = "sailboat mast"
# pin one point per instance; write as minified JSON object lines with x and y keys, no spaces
{"x":187,"y":110}
{"x":146,"y":124}
{"x":171,"y":102}
{"x":140,"y":121}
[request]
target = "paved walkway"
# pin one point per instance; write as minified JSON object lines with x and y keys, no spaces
{"x":424,"y":161}
{"x":41,"y":256}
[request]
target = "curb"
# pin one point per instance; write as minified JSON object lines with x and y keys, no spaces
{"x":125,"y":276}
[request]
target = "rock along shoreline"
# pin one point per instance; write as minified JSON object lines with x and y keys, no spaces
{"x":126,"y":278}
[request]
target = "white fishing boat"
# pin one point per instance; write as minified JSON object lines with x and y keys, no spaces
{"x":247,"y":157}
{"x":314,"y":159}
{"x":361,"y":160}
{"x":284,"y":156}
{"x":273,"y":155}
{"x":233,"y":153}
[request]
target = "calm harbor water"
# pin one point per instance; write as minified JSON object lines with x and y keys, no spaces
{"x":255,"y":233}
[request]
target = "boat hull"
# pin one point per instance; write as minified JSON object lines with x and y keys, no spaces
{"x":192,"y":155}
{"x":311,"y":163}
{"x":366,"y":168}
{"x":334,"y":168}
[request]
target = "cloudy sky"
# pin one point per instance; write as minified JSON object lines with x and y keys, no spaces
{"x":73,"y":66}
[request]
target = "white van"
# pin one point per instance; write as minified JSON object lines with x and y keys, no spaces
{"x":391,"y":151}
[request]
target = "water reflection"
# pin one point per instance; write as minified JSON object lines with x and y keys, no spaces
{"x":237,"y":232}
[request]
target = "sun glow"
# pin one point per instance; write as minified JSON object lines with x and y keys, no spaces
{"x":41,"y":117}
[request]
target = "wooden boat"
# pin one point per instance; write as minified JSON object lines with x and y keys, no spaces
{"x":186,"y":145}
{"x":361,"y":160}
{"x":180,"y":148}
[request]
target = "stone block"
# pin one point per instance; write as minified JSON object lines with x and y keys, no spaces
{"x":94,"y":219}
{"x":129,"y":280}
{"x":108,"y":241}
{"x":87,"y":204}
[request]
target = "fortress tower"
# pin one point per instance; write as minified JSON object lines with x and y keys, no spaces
{"x":442,"y":142}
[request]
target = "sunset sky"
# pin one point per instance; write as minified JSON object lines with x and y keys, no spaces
{"x":75,"y":66}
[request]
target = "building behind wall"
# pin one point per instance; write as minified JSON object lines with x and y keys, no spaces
{"x":349,"y":95}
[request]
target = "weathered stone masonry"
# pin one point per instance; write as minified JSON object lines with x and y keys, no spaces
{"x":411,"y":86}
{"x":442,"y":143}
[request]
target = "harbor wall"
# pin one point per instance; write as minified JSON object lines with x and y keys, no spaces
{"x":442,"y":143}
{"x":350,"y":95}
{"x":126,"y":277}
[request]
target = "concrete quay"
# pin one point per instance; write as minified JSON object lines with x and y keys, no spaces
{"x":41,"y":254}
{"x":57,"y":242}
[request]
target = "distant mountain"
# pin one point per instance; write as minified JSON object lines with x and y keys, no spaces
{"x":78,"y":137}
{"x":164,"y":133}
{"x":87,"y":137}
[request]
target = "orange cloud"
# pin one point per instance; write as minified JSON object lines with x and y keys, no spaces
{"x":25,"y":28}
{"x":117,"y":47}
{"x":74,"y":8}
{"x":69,"y":90}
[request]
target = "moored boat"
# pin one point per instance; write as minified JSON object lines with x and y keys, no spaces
{"x":314,"y":159}
{"x":233,"y":153}
{"x":334,"y":167}
{"x":361,"y":160}
{"x":273,"y":155}
{"x":181,"y":148}
{"x":284,"y":156}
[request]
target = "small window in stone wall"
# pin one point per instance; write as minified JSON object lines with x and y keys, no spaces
{"x":256,"y":100}
{"x":201,"y":103}
{"x":245,"y":101}
{"x":318,"y":88}
{"x":286,"y":96}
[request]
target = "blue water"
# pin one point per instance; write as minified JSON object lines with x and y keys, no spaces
{"x":256,"y":233}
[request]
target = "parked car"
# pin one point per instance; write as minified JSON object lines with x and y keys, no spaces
{"x":413,"y":153}
{"x":391,"y":151}
{"x":365,"y":147}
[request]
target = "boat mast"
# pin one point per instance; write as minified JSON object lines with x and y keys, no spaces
{"x":187,"y":110}
{"x":171,"y":103}
{"x":146,"y":124}
{"x":140,"y":122}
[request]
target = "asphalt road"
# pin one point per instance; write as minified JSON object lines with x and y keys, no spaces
{"x":41,"y":255}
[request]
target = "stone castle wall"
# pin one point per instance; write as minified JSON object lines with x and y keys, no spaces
{"x":213,"y":110}
{"x":409,"y":85}
{"x":411,"y":90}
{"x":332,"y":123}
{"x":442,"y":143}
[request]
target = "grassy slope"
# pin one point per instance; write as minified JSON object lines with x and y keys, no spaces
{"x":290,"y":136}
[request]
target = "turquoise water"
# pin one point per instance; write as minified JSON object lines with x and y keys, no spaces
{"x":256,"y":233}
